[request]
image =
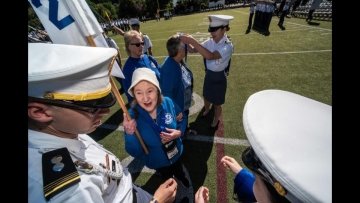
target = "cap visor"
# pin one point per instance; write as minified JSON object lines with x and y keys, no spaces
{"x":104,"y":102}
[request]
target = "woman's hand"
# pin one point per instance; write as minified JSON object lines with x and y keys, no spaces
{"x":231,"y":163}
{"x":169,"y":135}
{"x":129,"y":125}
{"x":179,"y":117}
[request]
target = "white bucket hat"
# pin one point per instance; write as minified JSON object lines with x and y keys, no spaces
{"x":141,"y":74}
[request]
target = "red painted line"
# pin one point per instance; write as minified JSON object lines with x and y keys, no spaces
{"x":221,"y":183}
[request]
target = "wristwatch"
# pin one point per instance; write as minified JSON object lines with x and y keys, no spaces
{"x":153,"y":200}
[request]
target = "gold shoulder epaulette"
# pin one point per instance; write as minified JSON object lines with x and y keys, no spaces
{"x":59,"y":172}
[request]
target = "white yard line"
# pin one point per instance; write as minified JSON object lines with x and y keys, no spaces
{"x":308,"y":26}
{"x":200,"y":138}
{"x":264,"y":53}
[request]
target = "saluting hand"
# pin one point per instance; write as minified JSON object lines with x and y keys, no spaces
{"x":187,"y":39}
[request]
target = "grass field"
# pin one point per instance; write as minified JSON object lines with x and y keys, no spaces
{"x":298,"y":59}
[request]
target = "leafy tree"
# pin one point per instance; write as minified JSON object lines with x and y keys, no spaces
{"x":130,"y":8}
{"x":33,"y":20}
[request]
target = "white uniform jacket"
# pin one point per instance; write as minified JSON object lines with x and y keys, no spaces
{"x":224,"y":47}
{"x":95,"y":187}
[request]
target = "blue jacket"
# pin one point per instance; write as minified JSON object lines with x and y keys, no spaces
{"x":171,"y":84}
{"x":133,"y":63}
{"x":243,"y":186}
{"x":157,"y":157}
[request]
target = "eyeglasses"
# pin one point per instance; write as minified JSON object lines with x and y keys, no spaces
{"x":213,"y":29}
{"x":138,"y":44}
{"x":252,"y":161}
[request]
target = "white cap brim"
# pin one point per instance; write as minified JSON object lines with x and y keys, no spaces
{"x":77,"y":72}
{"x":291,"y":135}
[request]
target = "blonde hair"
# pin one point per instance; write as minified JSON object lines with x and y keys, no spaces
{"x":128,"y":36}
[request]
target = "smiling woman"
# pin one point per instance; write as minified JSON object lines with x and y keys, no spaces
{"x":155,"y":118}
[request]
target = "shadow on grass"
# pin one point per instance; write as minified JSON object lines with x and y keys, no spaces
{"x":195,"y":155}
{"x":313,"y":23}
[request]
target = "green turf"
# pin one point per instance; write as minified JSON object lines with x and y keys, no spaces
{"x":298,"y":59}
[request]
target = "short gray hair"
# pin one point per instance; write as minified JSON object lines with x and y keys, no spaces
{"x":173,"y":45}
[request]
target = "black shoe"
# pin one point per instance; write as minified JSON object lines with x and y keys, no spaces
{"x":281,"y":26}
{"x":247,"y":31}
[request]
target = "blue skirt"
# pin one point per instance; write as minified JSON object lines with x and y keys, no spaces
{"x":214,"y":89}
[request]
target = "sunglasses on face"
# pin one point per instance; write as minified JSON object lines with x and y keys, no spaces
{"x":252,"y":161}
{"x":138,"y":44}
{"x":69,"y":105}
{"x":213,"y":29}
{"x":89,"y":106}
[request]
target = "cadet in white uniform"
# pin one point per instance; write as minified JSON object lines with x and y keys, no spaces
{"x":291,"y":146}
{"x":290,"y":149}
{"x":217,"y":53}
{"x":68,"y":94}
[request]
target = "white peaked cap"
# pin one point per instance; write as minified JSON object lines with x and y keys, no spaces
{"x":219,"y":20}
{"x":134,"y":21}
{"x":292,"y":137}
{"x":68,"y":72}
{"x":141,"y":74}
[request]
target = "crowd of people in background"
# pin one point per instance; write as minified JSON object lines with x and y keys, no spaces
{"x":281,"y":8}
